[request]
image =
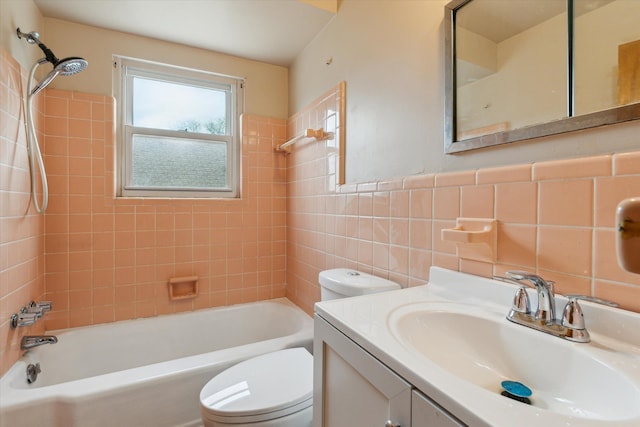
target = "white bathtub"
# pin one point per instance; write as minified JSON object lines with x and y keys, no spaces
{"x":145,"y":372}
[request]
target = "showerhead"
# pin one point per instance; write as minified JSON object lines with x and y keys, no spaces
{"x":70,"y":66}
{"x":45,"y":81}
{"x":64,"y":67}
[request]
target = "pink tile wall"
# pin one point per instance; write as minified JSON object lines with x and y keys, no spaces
{"x":314,"y":171}
{"x":103,"y":259}
{"x":21,"y":229}
{"x":555,"y":219}
{"x":110,"y":259}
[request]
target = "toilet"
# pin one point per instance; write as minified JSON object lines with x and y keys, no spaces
{"x":245,"y":396}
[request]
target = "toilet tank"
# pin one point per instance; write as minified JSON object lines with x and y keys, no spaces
{"x":345,"y":282}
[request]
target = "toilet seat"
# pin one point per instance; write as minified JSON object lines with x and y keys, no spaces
{"x":259,"y":389}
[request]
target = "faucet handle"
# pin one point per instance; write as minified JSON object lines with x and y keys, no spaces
{"x":573,"y":320}
{"x":39,"y":308}
{"x":43,"y":306}
{"x":23,"y":319}
{"x":35,"y":310}
{"x":593,"y":299}
{"x":521,"y":301}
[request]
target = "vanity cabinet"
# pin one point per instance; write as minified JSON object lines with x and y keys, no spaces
{"x":352,"y":388}
{"x":426,"y":413}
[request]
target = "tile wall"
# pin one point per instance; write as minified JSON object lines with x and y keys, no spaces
{"x":102,"y":259}
{"x":109,"y":259}
{"x":555,"y":219}
{"x":99,"y":259}
{"x":21,"y":229}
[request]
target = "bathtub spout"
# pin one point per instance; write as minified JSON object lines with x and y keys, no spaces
{"x":29,"y":342}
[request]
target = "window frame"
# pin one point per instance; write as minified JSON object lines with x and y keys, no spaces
{"x":125,"y":70}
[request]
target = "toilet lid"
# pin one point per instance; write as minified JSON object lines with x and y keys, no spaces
{"x":264,"y":387}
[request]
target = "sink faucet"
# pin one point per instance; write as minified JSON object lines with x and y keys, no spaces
{"x":571,"y":327}
{"x":31,"y":341}
{"x":546,"y":299}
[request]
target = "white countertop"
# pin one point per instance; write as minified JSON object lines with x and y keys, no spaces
{"x":365,"y":320}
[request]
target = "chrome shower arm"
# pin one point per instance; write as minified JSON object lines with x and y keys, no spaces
{"x":32,"y":38}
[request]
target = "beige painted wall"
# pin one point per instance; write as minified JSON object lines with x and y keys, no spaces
{"x":390,"y":53}
{"x":25,"y":15}
{"x":266,"y":85}
{"x":266,"y":91}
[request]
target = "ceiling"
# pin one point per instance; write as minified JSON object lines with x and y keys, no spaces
{"x":272,"y":31}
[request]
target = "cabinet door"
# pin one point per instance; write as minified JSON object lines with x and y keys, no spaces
{"x":351,"y":387}
{"x":425,"y":413}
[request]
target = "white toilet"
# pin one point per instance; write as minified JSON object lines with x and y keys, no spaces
{"x":276,"y":389}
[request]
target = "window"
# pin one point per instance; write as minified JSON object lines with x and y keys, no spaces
{"x":178,"y":133}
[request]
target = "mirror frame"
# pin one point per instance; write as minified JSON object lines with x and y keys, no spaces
{"x":569,"y":124}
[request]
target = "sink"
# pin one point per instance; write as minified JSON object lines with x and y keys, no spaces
{"x":450,"y":340}
{"x":482,"y":348}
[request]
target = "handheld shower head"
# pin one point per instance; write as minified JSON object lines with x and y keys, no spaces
{"x":44,"y":82}
{"x":70,"y":66}
{"x":65,"y":67}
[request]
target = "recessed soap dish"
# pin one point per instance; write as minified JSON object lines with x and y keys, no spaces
{"x":183,"y":287}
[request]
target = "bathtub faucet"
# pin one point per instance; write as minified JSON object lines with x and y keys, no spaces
{"x":32,"y":341}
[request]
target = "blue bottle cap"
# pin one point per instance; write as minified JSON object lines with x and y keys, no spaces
{"x":516,"y":388}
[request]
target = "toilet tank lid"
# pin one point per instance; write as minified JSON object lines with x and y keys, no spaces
{"x":350,"y":282}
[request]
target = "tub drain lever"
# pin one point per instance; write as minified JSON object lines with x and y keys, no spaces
{"x":32,"y":372}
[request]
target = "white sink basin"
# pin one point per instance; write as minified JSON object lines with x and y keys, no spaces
{"x":450,"y":340}
{"x":484,"y":349}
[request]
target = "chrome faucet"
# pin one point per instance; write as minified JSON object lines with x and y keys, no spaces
{"x":31,"y":341}
{"x":570,"y":327}
{"x":546,"y":299}
{"x":29,"y":315}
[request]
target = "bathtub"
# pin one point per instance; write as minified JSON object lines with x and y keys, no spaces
{"x":145,"y":372}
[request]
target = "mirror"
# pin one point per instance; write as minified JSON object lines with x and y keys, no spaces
{"x":523,"y":69}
